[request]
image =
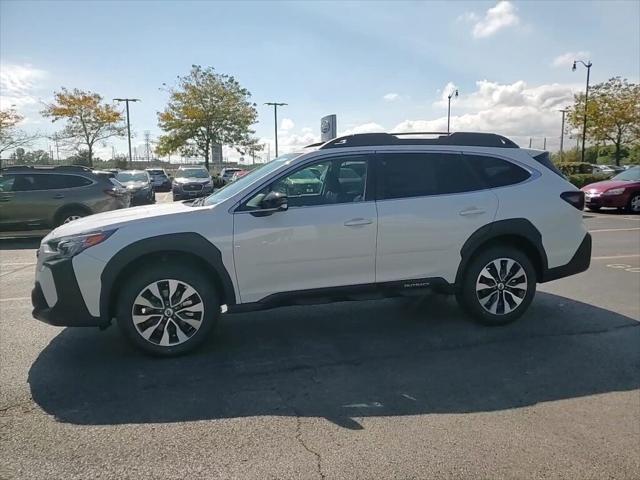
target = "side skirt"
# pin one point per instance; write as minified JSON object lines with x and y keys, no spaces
{"x":369,"y":291}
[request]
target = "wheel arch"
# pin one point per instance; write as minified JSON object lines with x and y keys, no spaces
{"x":517,"y":232}
{"x":188,"y":247}
{"x":70,"y":207}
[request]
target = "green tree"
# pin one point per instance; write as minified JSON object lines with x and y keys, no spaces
{"x":613,"y":114}
{"x":11,"y":136}
{"x":89,"y":120}
{"x":204,"y":109}
{"x":35,"y":157}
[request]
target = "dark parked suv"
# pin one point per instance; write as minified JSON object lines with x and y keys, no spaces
{"x":43,"y":197}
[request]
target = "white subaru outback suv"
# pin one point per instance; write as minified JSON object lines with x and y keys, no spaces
{"x":358,"y":217}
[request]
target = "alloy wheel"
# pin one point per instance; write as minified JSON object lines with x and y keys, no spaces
{"x":501,"y":286}
{"x":167,"y":312}
{"x":71,"y":218}
{"x":635,"y":204}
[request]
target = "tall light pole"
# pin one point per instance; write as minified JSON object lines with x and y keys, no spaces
{"x":126,"y":101}
{"x":452,"y":94}
{"x":564,"y":111}
{"x":586,"y":99}
{"x":275,"y":117}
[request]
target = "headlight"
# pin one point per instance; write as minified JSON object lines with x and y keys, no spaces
{"x":614,"y":191}
{"x":67,"y":247}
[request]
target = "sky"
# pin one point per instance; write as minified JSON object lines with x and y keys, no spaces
{"x":379,"y":66}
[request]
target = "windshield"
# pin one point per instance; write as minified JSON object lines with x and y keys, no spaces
{"x":155,"y":172}
{"x":231,"y":189}
{"x":124,"y":177}
{"x":631,"y":175}
{"x":192,"y":173}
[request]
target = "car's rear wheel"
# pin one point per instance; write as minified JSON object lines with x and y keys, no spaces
{"x":168,"y":309}
{"x":498,"y":285}
{"x":634,"y":204}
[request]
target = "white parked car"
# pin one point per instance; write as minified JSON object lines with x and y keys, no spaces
{"x":383,"y":215}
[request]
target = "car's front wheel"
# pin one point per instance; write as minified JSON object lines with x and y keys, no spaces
{"x":168,"y":309}
{"x":634,"y":204}
{"x":498,"y":285}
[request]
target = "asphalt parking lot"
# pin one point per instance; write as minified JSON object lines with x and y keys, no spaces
{"x":384,"y":389}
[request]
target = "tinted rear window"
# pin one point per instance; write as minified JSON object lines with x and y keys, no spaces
{"x":545,"y":159}
{"x":404,"y":175}
{"x":496,"y":172}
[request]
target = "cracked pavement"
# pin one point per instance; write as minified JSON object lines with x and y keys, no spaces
{"x":398,"y":388}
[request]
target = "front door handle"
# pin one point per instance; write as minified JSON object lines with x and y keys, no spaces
{"x":58,"y":196}
{"x":472,"y":211}
{"x":356,"y":222}
{"x":5,"y":199}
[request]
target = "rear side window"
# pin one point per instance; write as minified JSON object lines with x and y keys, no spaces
{"x":405,"y":175}
{"x":496,"y":172}
{"x":46,"y":181}
{"x":545,"y":159}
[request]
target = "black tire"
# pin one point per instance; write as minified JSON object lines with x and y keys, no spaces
{"x":166,"y":328}
{"x":594,"y":209}
{"x":635,"y":199}
{"x":473,"y":300}
{"x":68,"y":214}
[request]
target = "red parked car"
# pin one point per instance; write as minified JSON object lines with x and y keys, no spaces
{"x":621,"y":191}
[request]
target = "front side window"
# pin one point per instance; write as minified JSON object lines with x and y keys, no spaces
{"x":326,"y":182}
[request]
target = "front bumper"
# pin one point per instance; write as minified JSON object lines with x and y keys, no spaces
{"x":180,"y":191}
{"x":65,"y":307}
{"x":579,"y":263}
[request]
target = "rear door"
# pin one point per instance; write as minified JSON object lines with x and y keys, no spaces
{"x":429,"y":203}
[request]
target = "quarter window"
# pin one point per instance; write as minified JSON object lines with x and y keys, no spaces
{"x":496,"y":172}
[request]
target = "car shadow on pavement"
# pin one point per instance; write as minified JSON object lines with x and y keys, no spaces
{"x":343,"y":362}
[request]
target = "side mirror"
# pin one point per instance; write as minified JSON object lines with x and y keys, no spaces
{"x":274,"y":202}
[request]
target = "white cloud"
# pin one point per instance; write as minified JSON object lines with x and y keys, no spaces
{"x":391,"y":97}
{"x":287,"y":124}
{"x":498,"y":17}
{"x":566,"y":59}
{"x":19,"y":85}
{"x":370,"y":127}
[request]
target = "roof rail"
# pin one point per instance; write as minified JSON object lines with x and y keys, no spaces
{"x":473,"y":139}
{"x":73,"y":168}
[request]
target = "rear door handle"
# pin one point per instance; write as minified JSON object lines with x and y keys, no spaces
{"x":58,"y":195}
{"x":5,"y":199}
{"x":472,"y":211}
{"x":356,"y":222}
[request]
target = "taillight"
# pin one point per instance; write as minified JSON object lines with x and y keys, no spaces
{"x":114,"y":192}
{"x":576,"y":199}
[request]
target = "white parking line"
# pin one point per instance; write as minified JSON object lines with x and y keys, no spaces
{"x":15,"y":299}
{"x":613,"y":257}
{"x":614,"y":230}
{"x":16,"y":264}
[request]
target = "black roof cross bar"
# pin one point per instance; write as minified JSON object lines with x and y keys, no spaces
{"x":462,"y":139}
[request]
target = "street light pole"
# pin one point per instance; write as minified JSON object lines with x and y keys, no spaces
{"x":126,"y":101}
{"x":454,"y":93}
{"x":564,"y":111}
{"x":586,"y":99}
{"x":275,"y":117}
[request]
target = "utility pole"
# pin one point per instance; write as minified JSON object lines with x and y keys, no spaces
{"x":126,"y":101}
{"x":452,"y":94}
{"x":544,"y":145}
{"x":563,"y":111}
{"x":588,"y":66}
{"x":147,"y":144}
{"x":530,"y":140}
{"x":275,"y":117}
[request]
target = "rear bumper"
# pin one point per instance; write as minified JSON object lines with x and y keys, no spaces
{"x":67,"y":307}
{"x":617,"y":201}
{"x":579,"y":263}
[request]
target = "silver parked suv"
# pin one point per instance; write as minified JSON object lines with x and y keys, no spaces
{"x":43,"y":197}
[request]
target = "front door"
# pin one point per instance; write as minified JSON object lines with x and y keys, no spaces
{"x":326,"y":237}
